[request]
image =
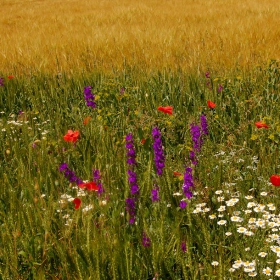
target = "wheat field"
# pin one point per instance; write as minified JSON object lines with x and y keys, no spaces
{"x":193,"y":35}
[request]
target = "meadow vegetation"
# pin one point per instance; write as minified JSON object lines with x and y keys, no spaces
{"x":139,"y":140}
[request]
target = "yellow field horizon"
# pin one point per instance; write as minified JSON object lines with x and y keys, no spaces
{"x":192,"y":35}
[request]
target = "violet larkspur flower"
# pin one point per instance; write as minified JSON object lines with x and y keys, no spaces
{"x":130,"y":208}
{"x":207,"y":75}
{"x":131,"y":155}
{"x":184,"y":246}
{"x":188,"y":183}
{"x":146,"y":241}
{"x":155,"y":194}
{"x":122,"y":90}
{"x":97,"y":180}
{"x":134,"y":189}
{"x":183,"y":204}
{"x":69,"y":174}
{"x":204,"y":124}
{"x":193,"y":157}
{"x":159,"y":158}
{"x":89,"y":97}
{"x":196,"y":137}
{"x":1,"y":82}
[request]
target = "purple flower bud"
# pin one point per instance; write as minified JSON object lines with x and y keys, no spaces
{"x":183,"y":204}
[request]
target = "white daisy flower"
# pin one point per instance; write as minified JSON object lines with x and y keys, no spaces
{"x":252,"y":274}
{"x":249,"y":268}
{"x":262,"y":254}
{"x":222,"y":208}
{"x":251,"y":204}
{"x":277,"y":273}
{"x":215,"y":263}
{"x":263,"y":193}
{"x":241,"y":230}
{"x":219,"y":192}
{"x":252,"y":220}
{"x":222,"y":222}
{"x":267,"y":271}
{"x":212,"y":217}
{"x":249,"y":197}
{"x":228,"y":233}
{"x":249,"y":233}
{"x":236,"y":219}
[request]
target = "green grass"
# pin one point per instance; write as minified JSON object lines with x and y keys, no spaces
{"x":43,"y":238}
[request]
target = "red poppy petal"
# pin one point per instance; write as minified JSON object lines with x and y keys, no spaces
{"x":91,"y":186}
{"x":211,"y":104}
{"x":77,"y":202}
{"x":177,"y":173}
{"x":275,"y":180}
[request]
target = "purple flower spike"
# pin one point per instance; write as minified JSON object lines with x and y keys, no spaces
{"x":69,"y":174}
{"x":220,"y":88}
{"x":204,"y":125}
{"x":155,"y":194}
{"x":188,"y":183}
{"x":196,"y":138}
{"x":97,"y":180}
{"x":131,"y":155}
{"x":89,"y":97}
{"x":1,"y":82}
{"x":159,"y":157}
{"x":146,"y":241}
{"x":130,"y":208}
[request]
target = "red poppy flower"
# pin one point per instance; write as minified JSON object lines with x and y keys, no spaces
{"x":91,"y":186}
{"x":71,"y":136}
{"x":10,"y":77}
{"x":177,"y":173}
{"x":211,"y":104}
{"x":166,"y":110}
{"x":275,"y":180}
{"x":86,"y":120}
{"x":261,"y":124}
{"x":143,"y":141}
{"x":77,"y":203}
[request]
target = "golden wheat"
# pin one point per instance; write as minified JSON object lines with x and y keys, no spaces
{"x":83,"y":35}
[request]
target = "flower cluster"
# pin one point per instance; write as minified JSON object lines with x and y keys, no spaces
{"x":159,"y":158}
{"x":69,"y":174}
{"x":89,"y":97}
